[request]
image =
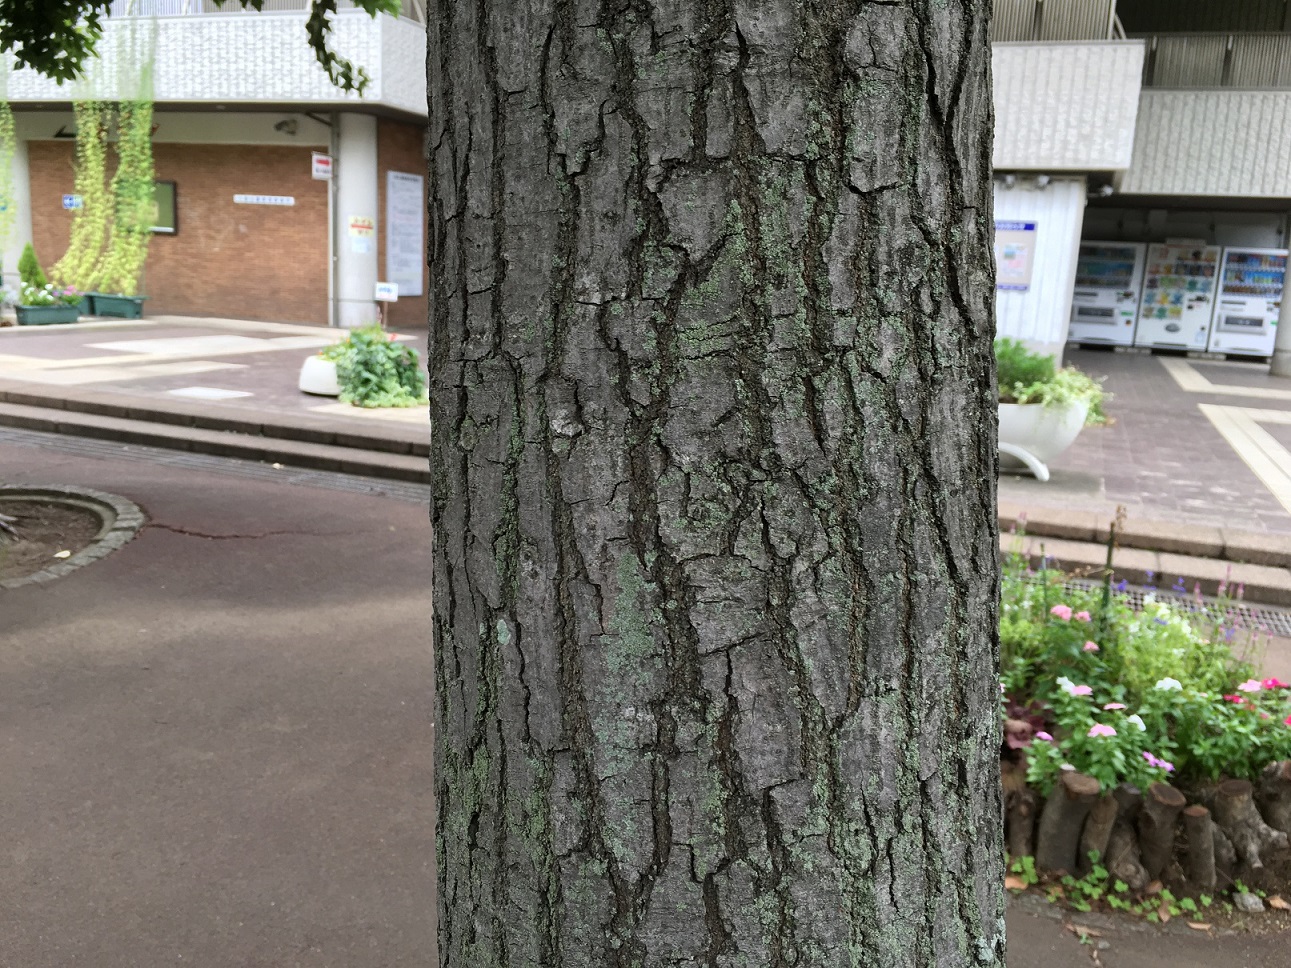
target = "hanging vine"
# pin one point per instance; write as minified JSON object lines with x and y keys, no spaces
{"x":8,"y":144}
{"x":90,"y":221}
{"x":132,"y":190}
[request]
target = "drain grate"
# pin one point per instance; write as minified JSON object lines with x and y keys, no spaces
{"x":1241,"y":615}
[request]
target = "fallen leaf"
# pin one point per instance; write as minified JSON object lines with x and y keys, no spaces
{"x":1199,"y":925}
{"x":1276,"y":902}
{"x":1163,"y":912}
{"x":62,"y":554}
{"x":1154,"y":888}
{"x":1081,"y":929}
{"x":1014,"y":883}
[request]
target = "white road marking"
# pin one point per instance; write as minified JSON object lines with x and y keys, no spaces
{"x":209,"y":393}
{"x":1261,"y":451}
{"x":1190,"y":381}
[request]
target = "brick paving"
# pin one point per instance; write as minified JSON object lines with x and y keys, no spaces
{"x":1161,"y":456}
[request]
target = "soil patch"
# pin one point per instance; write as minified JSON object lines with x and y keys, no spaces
{"x":45,"y":529}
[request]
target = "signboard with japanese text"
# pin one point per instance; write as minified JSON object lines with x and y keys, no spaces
{"x":1014,"y":255}
{"x":406,"y":231}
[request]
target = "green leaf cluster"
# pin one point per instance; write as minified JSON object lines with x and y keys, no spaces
{"x":80,"y":263}
{"x":1028,"y":377}
{"x":29,"y":270}
{"x":375,"y":371}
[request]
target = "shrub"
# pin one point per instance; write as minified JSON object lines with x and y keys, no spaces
{"x":29,"y":270}
{"x":375,"y":371}
{"x":1027,"y":377}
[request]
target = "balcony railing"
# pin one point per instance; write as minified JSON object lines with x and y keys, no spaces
{"x":412,"y":9}
{"x":1038,"y":20}
{"x":1218,"y":60}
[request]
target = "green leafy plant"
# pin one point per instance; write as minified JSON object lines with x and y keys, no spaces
{"x":1028,"y":377}
{"x":89,"y":222}
{"x":29,"y":270}
{"x":375,"y":371}
{"x":49,"y":295}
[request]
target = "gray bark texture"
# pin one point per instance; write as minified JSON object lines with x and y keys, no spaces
{"x":714,"y":503}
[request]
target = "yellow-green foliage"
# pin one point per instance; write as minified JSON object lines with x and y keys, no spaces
{"x":90,"y":222}
{"x":132,"y":191}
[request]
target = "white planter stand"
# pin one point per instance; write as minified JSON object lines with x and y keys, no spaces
{"x":318,"y":376}
{"x":1035,"y":434}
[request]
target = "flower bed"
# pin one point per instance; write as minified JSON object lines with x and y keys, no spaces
{"x":1145,"y":745}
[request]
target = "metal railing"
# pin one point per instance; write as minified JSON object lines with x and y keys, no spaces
{"x":1038,"y":20}
{"x":1260,"y":60}
{"x":412,"y":9}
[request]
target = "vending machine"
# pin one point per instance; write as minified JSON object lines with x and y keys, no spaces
{"x":1178,"y":296}
{"x":1250,"y":295}
{"x":1105,"y":302}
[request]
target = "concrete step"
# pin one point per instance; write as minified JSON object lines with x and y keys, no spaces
{"x":308,"y":427}
{"x":1267,"y":584}
{"x":1174,"y":537}
{"x":223,"y":443}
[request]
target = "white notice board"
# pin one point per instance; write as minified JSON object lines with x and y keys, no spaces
{"x":405,"y":231}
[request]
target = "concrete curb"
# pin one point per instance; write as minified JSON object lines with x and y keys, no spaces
{"x":1167,"y":537}
{"x":122,"y":520}
{"x":299,"y":427}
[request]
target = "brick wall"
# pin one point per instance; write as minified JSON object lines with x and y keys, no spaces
{"x":240,"y":261}
{"x":400,"y":147}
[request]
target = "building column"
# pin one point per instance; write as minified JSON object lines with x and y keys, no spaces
{"x":356,"y":220}
{"x":1280,"y":365}
{"x":20,"y":231}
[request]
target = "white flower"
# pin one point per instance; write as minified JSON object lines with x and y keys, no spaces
{"x":1169,"y":683}
{"x":1067,"y":685}
{"x":1137,"y":721}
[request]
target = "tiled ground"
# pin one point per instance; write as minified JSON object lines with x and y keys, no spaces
{"x":259,"y":361}
{"x":1163,"y":457}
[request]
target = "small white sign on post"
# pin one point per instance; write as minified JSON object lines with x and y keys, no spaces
{"x":322,"y":166}
{"x":264,"y":199}
{"x":387,"y":292}
{"x":73,"y":202}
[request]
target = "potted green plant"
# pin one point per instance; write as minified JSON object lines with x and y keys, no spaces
{"x":367,"y":369}
{"x":39,"y":301}
{"x":1043,"y":407}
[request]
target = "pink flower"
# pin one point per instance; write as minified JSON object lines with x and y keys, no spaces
{"x":1061,"y":611}
{"x":1082,"y":617}
{"x":1287,"y":721}
{"x":1082,"y":690}
{"x":1115,"y":705}
{"x":1041,"y":734}
{"x":1152,"y":760}
{"x":1098,"y":729}
{"x":1237,"y":699}
{"x":1091,"y":647}
{"x":1250,"y":685}
{"x":1273,"y":684}
{"x":1168,"y":767}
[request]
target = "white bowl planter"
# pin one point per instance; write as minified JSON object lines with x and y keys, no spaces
{"x":318,"y":376}
{"x":1035,"y":434}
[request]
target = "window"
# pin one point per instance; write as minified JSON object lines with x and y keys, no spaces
{"x":164,"y":217}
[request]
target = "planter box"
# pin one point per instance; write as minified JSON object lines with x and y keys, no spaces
{"x":318,"y":376}
{"x":123,"y":307}
{"x":46,"y":315}
{"x":1034,"y":434}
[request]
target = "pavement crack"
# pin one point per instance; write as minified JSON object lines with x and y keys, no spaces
{"x":192,"y":533}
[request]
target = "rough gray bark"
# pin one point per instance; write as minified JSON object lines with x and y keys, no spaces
{"x":1156,"y":824}
{"x":1200,"y":830}
{"x":1057,"y":841}
{"x":714,"y":501}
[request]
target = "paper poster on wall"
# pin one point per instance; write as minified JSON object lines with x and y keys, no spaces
{"x":405,"y":231}
{"x":1014,"y":255}
{"x":362,"y":231}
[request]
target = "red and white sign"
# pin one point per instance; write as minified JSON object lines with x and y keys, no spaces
{"x":322,"y":166}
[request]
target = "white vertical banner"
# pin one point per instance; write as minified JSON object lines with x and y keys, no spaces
{"x":405,"y":231}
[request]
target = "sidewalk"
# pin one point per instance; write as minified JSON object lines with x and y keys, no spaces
{"x":209,"y":385}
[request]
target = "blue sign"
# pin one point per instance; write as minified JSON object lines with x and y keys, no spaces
{"x":73,"y":201}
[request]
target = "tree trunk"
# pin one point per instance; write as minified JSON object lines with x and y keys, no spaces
{"x":1236,"y":815}
{"x":1097,"y":832}
{"x":714,"y":500}
{"x":1058,"y":839}
{"x":1275,"y":795}
{"x":1157,"y":820}
{"x":1200,"y":831}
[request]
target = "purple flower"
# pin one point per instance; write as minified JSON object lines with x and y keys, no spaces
{"x":1041,"y":734}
